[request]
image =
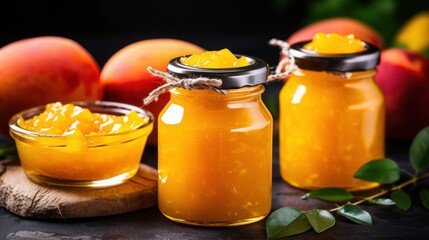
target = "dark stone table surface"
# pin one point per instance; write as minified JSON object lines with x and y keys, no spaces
{"x":389,"y":221}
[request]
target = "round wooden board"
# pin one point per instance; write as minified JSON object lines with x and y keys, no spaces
{"x":25,"y":198}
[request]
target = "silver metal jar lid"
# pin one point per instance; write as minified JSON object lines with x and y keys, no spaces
{"x":254,"y":74}
{"x":360,"y":61}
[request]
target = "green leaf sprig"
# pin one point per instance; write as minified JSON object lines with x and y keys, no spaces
{"x":287,"y":221}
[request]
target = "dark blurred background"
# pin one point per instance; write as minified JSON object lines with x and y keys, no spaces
{"x":103,"y":27}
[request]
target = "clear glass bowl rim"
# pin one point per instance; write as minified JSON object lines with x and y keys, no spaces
{"x":107,"y":107}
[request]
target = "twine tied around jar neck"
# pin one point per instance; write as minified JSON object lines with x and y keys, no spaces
{"x":186,"y":83}
{"x":287,"y":64}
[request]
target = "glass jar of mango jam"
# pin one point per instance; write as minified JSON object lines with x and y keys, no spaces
{"x":331,"y":118}
{"x":81,"y":144}
{"x":215,"y":151}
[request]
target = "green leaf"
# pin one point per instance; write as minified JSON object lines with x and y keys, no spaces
{"x":355,"y":214}
{"x":330,"y":194}
{"x":380,"y":170}
{"x":382,"y":201}
{"x":285,"y":222}
{"x":419,"y":150}
{"x":401,"y":199}
{"x":320,"y":219}
{"x":424,"y":198}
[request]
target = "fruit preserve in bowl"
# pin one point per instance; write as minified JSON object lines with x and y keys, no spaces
{"x":81,"y":144}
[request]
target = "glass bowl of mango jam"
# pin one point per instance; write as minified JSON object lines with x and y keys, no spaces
{"x":81,"y":144}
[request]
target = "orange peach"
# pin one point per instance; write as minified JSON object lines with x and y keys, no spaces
{"x":125,"y":78}
{"x":40,"y":70}
{"x":403,"y":76}
{"x":340,"y":25}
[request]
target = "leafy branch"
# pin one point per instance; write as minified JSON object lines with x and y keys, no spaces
{"x":287,"y":221}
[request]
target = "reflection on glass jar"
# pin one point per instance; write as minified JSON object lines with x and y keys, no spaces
{"x":331,"y":119}
{"x":215,"y":151}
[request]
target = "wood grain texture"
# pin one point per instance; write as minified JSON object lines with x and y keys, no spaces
{"x":25,"y":198}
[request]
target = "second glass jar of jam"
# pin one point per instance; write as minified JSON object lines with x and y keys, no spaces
{"x":331,"y":117}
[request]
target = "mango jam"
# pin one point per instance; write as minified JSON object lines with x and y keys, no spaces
{"x":215,"y":59}
{"x":215,"y":150}
{"x":333,"y":43}
{"x":69,"y":145}
{"x":70,"y":120}
{"x":329,"y":128}
{"x":331,"y":115}
{"x":214,"y":157}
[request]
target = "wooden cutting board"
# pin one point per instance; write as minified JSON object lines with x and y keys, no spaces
{"x":25,"y":198}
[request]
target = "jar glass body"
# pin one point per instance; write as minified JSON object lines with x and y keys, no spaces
{"x":329,"y":127}
{"x":215,"y":157}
